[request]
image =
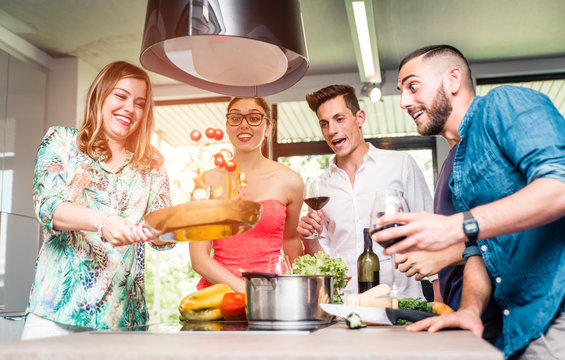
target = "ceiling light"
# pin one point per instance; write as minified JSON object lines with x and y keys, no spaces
{"x":232,"y":47}
{"x":373,"y":91}
{"x":362,"y":25}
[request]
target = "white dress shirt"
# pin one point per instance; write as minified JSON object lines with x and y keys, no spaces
{"x":347,"y":212}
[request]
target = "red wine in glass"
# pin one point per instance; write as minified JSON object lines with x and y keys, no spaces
{"x":318,"y":202}
{"x":390,"y":242}
{"x":314,"y":198}
{"x":388,"y":201}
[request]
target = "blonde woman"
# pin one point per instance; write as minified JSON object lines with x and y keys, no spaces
{"x":91,"y":189}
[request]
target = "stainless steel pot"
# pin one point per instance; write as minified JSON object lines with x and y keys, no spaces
{"x":272,"y":297}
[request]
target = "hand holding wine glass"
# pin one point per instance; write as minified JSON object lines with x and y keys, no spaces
{"x":388,"y":201}
{"x":314,"y":198}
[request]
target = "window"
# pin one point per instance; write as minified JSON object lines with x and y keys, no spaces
{"x":552,"y":85}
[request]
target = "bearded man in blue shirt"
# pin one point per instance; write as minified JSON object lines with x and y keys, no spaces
{"x":508,"y":185}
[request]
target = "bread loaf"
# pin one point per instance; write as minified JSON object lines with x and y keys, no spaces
{"x":375,"y":297}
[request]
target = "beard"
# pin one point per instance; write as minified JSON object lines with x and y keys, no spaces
{"x":438,"y":113}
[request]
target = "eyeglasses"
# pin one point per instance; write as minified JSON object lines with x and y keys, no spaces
{"x":253,"y":119}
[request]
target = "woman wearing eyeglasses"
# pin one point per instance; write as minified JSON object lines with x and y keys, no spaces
{"x":276,"y":187}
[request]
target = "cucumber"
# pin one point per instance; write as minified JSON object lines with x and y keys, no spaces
{"x":353,"y":321}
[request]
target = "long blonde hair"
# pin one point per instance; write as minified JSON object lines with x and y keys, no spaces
{"x":91,"y":139}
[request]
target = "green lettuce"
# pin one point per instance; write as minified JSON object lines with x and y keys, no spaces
{"x":322,"y":264}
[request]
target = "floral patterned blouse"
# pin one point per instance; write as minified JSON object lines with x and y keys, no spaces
{"x":81,"y":280}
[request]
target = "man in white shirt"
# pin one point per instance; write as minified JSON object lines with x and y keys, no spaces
{"x":357,"y":169}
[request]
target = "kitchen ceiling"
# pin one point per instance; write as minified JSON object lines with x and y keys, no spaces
{"x":102,"y":31}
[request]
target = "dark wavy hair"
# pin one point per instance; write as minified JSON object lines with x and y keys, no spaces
{"x":91,"y":139}
{"x":316,"y":99}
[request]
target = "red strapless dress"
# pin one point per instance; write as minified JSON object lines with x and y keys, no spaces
{"x":251,"y":250}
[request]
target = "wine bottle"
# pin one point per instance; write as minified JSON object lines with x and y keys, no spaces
{"x":368,"y":265}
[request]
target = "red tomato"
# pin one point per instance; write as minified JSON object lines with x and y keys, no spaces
{"x":210,"y":133}
{"x":195,"y":135}
{"x":219,"y":134}
{"x":230,"y":165}
{"x":219,"y":160}
{"x":233,"y":306}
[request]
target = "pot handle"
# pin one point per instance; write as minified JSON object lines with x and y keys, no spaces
{"x":265,"y":275}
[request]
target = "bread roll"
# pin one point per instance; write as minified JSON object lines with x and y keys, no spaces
{"x":374,"y":297}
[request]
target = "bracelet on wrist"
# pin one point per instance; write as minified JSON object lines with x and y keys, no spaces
{"x":101,"y":226}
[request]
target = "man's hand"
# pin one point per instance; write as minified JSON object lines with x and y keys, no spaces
{"x":474,"y":298}
{"x":423,"y":231}
{"x":419,"y":263}
{"x":310,"y":223}
{"x":539,"y":203}
{"x":463,"y":319}
{"x":426,"y":263}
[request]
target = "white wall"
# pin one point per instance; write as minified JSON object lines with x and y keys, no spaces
{"x":61,"y":93}
{"x":68,"y":83}
{"x":86,"y":75}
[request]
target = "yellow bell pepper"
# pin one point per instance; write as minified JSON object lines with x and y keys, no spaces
{"x":207,"y":298}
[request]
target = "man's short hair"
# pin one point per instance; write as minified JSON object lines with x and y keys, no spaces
{"x":316,"y":99}
{"x":441,"y":51}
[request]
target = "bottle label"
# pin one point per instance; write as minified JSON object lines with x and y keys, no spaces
{"x":369,"y":276}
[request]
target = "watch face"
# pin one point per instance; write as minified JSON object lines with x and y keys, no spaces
{"x":471,"y":227}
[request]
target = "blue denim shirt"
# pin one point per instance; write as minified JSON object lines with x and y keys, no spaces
{"x":509,"y":138}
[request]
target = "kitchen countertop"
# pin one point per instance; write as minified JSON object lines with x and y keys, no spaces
{"x":335,"y":342}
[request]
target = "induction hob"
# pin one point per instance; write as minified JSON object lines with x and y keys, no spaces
{"x":285,"y":327}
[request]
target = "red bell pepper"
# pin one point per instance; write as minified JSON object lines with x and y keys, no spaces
{"x":233,"y":306}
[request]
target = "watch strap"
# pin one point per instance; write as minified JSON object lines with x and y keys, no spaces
{"x":468,"y":216}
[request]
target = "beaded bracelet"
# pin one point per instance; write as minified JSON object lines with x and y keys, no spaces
{"x":101,"y":226}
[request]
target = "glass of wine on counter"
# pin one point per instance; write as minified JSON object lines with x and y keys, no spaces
{"x":388,"y":201}
{"x":315,"y":198}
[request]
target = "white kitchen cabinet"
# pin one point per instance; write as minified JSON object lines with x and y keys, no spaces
{"x":22,"y":126}
{"x":25,"y":127}
{"x":3,"y":98}
{"x":22,"y":234}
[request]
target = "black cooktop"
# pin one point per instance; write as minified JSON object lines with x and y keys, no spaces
{"x":225,"y":326}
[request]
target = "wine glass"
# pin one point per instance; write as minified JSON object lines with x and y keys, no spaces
{"x":388,"y":201}
{"x":314,"y":198}
{"x":279,"y":264}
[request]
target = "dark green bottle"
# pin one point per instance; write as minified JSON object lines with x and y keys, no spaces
{"x":368,"y":265}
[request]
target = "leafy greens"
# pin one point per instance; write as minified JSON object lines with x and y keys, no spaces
{"x":322,"y":264}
